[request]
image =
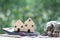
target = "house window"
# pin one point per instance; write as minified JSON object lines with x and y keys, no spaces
{"x":21,"y":26}
{"x":32,"y":25}
{"x":29,"y":20}
{"x":26,"y":25}
{"x":15,"y":26}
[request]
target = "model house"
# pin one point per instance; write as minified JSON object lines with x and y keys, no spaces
{"x":27,"y":26}
{"x":18,"y":26}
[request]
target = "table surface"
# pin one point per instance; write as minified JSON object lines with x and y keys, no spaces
{"x":17,"y":37}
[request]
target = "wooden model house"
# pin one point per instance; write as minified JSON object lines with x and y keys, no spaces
{"x":27,"y":26}
{"x":18,"y":26}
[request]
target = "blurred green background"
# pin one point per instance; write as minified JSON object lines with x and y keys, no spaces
{"x":41,"y":11}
